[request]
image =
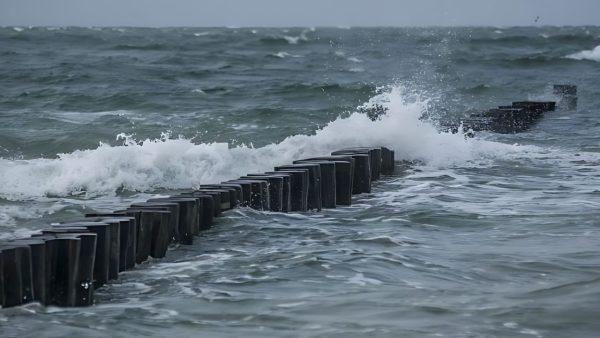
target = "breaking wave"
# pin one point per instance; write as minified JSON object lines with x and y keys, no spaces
{"x":591,"y":55}
{"x":180,"y":163}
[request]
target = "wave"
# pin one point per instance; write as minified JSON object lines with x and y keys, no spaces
{"x":591,"y":55}
{"x":175,"y":163}
{"x":286,"y":39}
{"x":283,"y":55}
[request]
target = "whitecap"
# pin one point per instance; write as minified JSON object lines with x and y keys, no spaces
{"x":282,"y":55}
{"x":354,"y":59}
{"x":360,"y":279}
{"x":176,"y":163}
{"x":291,"y":39}
{"x":290,"y":305}
{"x":18,"y":29}
{"x":592,"y":55}
{"x":202,"y":34}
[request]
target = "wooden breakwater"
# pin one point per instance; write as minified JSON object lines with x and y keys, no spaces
{"x":517,"y":117}
{"x":63,"y":264}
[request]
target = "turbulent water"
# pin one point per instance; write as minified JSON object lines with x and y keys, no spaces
{"x":491,"y":236}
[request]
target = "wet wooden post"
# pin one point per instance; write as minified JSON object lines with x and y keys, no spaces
{"x":235,"y":192}
{"x":286,"y":199}
{"x":362,"y":170}
{"x":67,"y":264}
{"x":173,"y":226}
{"x":224,"y":198}
{"x":257,"y":189}
{"x":344,"y":172}
{"x":129,"y":234}
{"x":387,"y":161}
{"x":114,"y":260}
{"x":156,"y":227}
{"x":127,"y":237}
{"x":38,"y":266}
{"x":216,"y":196}
{"x":275,"y":186}
{"x":314,"y":188}
{"x":83,"y":292}
{"x":246,"y":191}
{"x":154,"y":232}
{"x":84,"y":280}
{"x":299,"y":184}
{"x":328,"y":181}
{"x":375,"y":159}
{"x":207,"y":206}
{"x":62,"y":264}
{"x":189,"y":214}
{"x":16,"y":273}
{"x":105,"y":247}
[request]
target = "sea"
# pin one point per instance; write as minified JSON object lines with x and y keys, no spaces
{"x":496,"y":235}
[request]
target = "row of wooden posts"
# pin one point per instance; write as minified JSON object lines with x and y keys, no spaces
{"x":63,"y":264}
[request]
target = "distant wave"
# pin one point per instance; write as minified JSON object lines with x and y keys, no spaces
{"x":592,"y":55}
{"x":286,"y":39}
{"x":278,"y":40}
{"x":282,"y":55}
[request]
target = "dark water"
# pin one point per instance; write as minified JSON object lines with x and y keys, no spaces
{"x":491,"y":236}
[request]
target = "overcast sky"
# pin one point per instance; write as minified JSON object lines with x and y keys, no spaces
{"x":298,"y":13}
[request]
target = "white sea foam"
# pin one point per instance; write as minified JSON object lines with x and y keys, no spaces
{"x":291,"y":39}
{"x":180,"y":163}
{"x":592,"y":55}
{"x":295,"y":39}
{"x":283,"y":55}
{"x":360,"y":279}
{"x":202,"y":34}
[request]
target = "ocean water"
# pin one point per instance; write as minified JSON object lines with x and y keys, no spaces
{"x":496,"y":235}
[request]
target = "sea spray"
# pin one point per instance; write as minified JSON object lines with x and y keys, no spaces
{"x":174,"y":163}
{"x":591,"y":55}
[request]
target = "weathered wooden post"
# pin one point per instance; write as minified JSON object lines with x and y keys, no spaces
{"x":328,"y":181}
{"x":314,"y":188}
{"x":362,"y":170}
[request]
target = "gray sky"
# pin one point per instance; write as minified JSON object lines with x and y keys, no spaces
{"x":298,"y":13}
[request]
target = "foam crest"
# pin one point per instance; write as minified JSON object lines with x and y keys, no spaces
{"x":591,"y":55}
{"x":180,"y":163}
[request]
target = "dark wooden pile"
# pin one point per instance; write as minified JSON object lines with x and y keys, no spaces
{"x":63,"y":264}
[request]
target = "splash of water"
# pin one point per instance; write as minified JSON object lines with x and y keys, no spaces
{"x":180,"y":163}
{"x":591,"y":55}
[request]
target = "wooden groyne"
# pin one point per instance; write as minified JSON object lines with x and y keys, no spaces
{"x":63,"y":264}
{"x":517,"y":117}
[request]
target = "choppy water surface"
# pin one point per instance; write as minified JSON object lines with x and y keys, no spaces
{"x":491,"y":236}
